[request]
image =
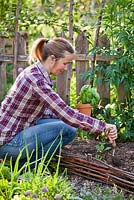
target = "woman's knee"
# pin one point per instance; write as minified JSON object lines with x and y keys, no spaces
{"x":69,"y":132}
{"x":69,"y":129}
{"x":73,"y":132}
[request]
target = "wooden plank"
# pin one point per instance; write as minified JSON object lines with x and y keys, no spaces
{"x":77,"y":57}
{"x":81,"y":65}
{"x":90,"y":57}
{"x":9,"y":58}
{"x":103,"y":87}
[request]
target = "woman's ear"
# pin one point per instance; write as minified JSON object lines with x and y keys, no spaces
{"x":53,"y":58}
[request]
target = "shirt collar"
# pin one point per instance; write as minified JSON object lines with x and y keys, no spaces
{"x":45,"y":73}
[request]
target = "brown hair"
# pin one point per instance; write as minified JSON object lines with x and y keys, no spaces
{"x":42,"y":48}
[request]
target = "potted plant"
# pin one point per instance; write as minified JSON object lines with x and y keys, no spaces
{"x":88,"y":98}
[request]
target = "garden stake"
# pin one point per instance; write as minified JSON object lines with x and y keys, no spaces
{"x":113,"y":143}
{"x":114,"y":146}
{"x":115,"y":160}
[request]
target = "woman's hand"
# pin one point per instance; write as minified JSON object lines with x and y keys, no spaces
{"x":111,"y":132}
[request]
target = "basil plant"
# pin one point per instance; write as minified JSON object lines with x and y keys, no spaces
{"x":89,"y":95}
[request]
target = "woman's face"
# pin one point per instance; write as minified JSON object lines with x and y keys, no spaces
{"x":62,"y":64}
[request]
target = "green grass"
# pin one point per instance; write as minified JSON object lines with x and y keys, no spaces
{"x":37,"y":183}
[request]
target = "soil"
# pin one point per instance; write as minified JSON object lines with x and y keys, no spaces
{"x":86,"y":149}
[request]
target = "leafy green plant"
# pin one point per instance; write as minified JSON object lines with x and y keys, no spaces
{"x":101,"y":147}
{"x":117,"y":113}
{"x":89,"y":95}
{"x":5,"y":172}
{"x":85,"y":134}
{"x":99,"y":157}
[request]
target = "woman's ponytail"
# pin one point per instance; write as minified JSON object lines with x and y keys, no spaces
{"x":37,"y":49}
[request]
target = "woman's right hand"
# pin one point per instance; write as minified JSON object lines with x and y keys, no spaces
{"x":111,"y":132}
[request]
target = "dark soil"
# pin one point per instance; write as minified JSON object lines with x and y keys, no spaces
{"x":123,"y":157}
{"x":86,"y":149}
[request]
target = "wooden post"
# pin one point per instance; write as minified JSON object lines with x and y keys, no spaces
{"x":69,"y":71}
{"x":2,"y":80}
{"x":22,"y":49}
{"x":121,"y":93}
{"x":81,"y":44}
{"x":64,"y":79}
{"x":63,"y":83}
{"x":103,"y":87}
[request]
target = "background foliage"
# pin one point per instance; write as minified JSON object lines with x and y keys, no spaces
{"x":118,"y":22}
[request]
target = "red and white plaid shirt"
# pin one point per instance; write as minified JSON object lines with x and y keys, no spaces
{"x":27,"y":99}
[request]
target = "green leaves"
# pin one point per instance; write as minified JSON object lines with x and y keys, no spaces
{"x":89,"y":95}
{"x":101,"y":147}
{"x":5,"y":172}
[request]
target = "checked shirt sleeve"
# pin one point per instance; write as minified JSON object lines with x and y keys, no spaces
{"x":70,"y":116}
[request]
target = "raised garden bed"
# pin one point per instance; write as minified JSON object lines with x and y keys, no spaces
{"x":86,"y":149}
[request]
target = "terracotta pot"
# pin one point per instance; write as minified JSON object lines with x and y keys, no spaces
{"x":84,"y":109}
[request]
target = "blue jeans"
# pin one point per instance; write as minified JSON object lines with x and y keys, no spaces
{"x":46,"y":133}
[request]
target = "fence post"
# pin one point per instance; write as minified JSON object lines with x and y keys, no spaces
{"x":22,"y":49}
{"x":121,"y":93}
{"x":103,"y":88}
{"x":2,"y":80}
{"x":81,"y":46}
{"x":63,"y":82}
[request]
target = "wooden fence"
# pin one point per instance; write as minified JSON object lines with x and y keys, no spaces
{"x":82,"y":63}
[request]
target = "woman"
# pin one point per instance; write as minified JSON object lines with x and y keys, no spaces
{"x":32,"y":113}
